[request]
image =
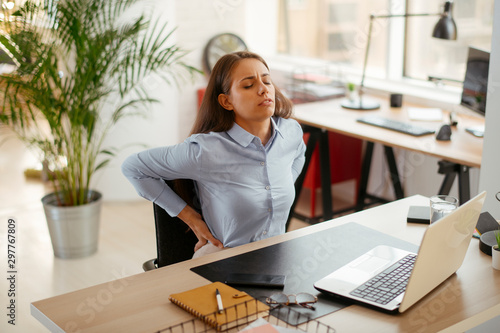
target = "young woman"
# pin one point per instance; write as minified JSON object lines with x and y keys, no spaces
{"x":244,"y":155}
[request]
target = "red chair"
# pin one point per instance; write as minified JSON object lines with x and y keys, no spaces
{"x":345,"y":164}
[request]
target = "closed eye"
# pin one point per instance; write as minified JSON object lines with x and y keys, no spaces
{"x":264,"y":76}
{"x":251,"y":85}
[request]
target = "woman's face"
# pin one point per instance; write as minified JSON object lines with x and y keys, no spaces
{"x":251,"y":95}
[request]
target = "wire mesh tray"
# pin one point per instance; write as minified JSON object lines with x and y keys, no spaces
{"x":281,"y":318}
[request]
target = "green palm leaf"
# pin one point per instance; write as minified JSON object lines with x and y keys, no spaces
{"x":74,"y":57}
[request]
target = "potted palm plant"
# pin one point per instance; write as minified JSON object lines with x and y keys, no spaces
{"x":80,"y":69}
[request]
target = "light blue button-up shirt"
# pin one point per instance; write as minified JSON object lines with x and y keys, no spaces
{"x":245,"y":189}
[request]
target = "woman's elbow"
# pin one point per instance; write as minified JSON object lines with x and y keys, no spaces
{"x":128,"y":169}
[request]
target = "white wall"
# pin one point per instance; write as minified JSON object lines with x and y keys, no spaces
{"x":199,"y":21}
{"x":490,"y":165}
{"x":159,"y":126}
{"x":261,"y":26}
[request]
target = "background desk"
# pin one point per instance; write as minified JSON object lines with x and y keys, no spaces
{"x":139,"y":303}
{"x":463,"y":151}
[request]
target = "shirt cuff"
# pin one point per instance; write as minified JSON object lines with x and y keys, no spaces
{"x":170,"y":201}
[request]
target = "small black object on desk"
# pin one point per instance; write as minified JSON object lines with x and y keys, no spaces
{"x":486,"y":223}
{"x":396,"y":100}
{"x":444,"y":133}
{"x":486,"y":241}
{"x":419,"y":214}
{"x":487,"y":226}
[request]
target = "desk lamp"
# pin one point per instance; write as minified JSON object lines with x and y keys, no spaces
{"x":445,"y":28}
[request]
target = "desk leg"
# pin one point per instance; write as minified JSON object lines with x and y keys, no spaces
{"x":365,"y":173}
{"x":464,"y":184}
{"x":393,"y":168}
{"x":451,"y":170}
{"x":326,"y":182}
{"x":449,"y":176}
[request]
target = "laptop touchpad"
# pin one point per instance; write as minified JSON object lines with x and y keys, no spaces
{"x":370,"y":264}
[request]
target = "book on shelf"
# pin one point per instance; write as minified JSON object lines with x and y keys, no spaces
{"x":239,"y":307}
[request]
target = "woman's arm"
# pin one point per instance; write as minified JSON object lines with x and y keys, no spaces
{"x":147,"y":171}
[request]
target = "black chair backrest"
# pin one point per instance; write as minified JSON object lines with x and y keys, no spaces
{"x":174,"y":240}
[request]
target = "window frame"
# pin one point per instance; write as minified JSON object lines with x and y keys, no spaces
{"x":392,"y":78}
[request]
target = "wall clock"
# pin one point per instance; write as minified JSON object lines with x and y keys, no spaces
{"x":218,"y":46}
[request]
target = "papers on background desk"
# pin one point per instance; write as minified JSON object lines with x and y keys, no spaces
{"x":425,"y":114}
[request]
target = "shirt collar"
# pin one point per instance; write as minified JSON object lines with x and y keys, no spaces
{"x":244,"y":138}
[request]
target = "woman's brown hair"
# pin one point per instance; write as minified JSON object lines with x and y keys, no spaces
{"x":212,"y":117}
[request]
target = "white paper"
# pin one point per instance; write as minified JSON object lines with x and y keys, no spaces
{"x":426,"y":114}
{"x":261,"y":322}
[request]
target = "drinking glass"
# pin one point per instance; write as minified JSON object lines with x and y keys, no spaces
{"x":442,"y":205}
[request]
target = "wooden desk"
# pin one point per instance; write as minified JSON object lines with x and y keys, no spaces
{"x":139,"y":303}
{"x":461,"y":153}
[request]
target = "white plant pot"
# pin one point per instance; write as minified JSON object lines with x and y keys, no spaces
{"x":495,"y":257}
{"x":74,"y":231}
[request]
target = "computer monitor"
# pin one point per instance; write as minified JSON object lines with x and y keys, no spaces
{"x":476,"y":80}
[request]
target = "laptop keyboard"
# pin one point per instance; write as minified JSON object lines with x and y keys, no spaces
{"x":395,"y":125}
{"x":389,"y":284}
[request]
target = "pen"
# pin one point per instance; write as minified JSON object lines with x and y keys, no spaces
{"x":219,"y":301}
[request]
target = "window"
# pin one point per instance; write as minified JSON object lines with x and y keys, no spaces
{"x":333,"y":30}
{"x":336,"y":31}
{"x":427,"y":56}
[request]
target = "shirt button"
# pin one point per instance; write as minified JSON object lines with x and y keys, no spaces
{"x":269,"y":210}
{"x":268,"y":187}
{"x":262,"y":163}
{"x":265,"y":232}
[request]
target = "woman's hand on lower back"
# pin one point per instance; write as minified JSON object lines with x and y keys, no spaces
{"x":193,"y":219}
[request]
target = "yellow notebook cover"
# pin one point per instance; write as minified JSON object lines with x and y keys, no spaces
{"x":202,"y":303}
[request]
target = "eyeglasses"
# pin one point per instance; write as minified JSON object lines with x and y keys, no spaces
{"x":302,"y":299}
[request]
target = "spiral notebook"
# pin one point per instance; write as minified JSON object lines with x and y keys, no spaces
{"x":239,"y":307}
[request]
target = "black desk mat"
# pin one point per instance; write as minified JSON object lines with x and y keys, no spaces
{"x":303,"y":261}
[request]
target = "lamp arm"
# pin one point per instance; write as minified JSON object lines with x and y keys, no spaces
{"x":405,"y":15}
{"x":370,"y":28}
{"x":367,"y":49}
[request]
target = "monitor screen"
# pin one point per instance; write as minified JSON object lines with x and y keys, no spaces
{"x":476,"y":80}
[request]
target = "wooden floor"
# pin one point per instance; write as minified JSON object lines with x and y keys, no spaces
{"x":126,"y":240}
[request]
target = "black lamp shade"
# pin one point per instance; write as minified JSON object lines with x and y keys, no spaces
{"x":446,"y":28}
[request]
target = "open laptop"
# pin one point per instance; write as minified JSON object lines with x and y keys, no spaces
{"x":369,"y":278}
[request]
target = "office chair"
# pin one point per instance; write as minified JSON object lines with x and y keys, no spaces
{"x":174,"y":240}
